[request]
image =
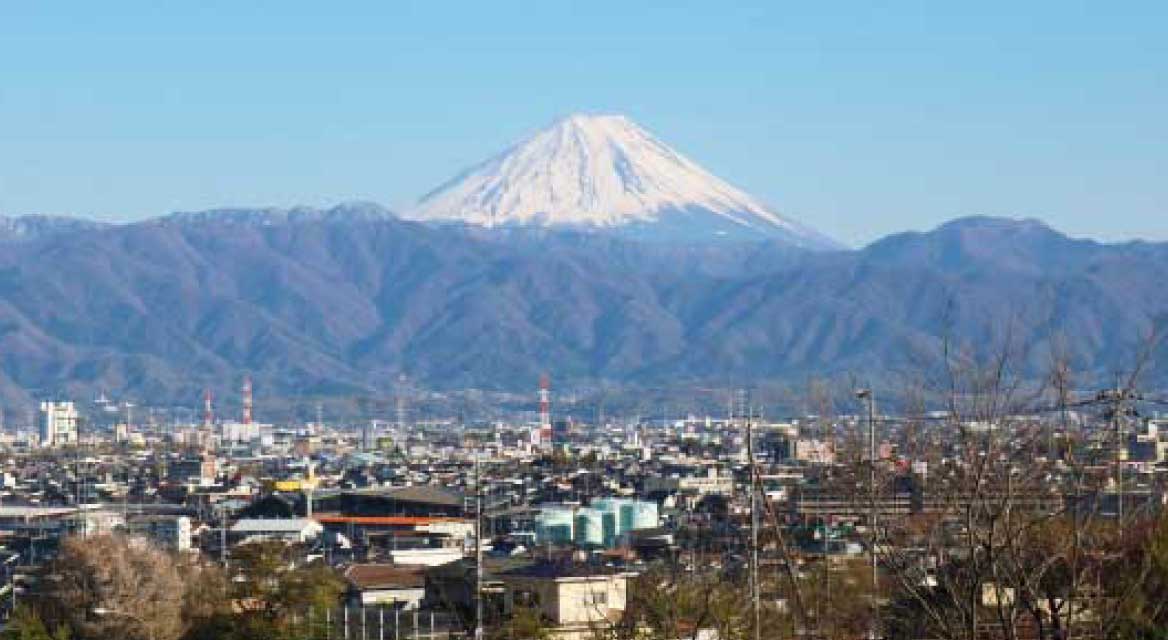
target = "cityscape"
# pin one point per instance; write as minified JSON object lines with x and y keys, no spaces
{"x":680,"y":525}
{"x":583,"y":321}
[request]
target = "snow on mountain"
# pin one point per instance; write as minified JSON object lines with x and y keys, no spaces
{"x":605,"y":172}
{"x":28,"y":227}
{"x":266,"y":216}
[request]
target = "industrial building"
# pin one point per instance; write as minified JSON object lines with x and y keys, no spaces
{"x":602,"y":524}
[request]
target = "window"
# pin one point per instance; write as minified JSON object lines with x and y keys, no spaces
{"x":526,"y":598}
{"x":596,"y":597}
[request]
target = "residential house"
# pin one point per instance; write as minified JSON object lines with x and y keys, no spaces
{"x":401,"y":587}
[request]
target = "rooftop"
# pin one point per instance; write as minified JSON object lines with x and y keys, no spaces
{"x":383,"y":576}
{"x":556,"y":570}
{"x":272,"y":525}
{"x":424,"y":494}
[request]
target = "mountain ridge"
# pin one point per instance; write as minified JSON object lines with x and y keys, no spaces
{"x":28,"y":226}
{"x":341,"y":306}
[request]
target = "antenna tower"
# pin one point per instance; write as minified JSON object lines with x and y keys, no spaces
{"x":247,"y":400}
{"x":545,"y":409}
{"x":208,"y":411}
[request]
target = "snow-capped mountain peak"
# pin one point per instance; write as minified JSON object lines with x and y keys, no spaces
{"x":605,"y":172}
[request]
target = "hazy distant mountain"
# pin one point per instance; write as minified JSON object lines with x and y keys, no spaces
{"x":339,"y":302}
{"x":346,"y":212}
{"x":605,"y":173}
{"x":20,"y":228}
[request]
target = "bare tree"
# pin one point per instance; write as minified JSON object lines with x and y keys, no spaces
{"x":111,"y":586}
{"x":1008,"y":539}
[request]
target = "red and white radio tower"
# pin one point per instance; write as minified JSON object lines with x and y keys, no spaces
{"x":247,"y":400}
{"x":208,"y":412}
{"x":545,"y":409}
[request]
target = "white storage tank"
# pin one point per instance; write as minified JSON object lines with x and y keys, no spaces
{"x":589,"y":527}
{"x":555,"y":525}
{"x":645,"y":515}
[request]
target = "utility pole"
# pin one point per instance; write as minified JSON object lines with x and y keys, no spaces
{"x":827,"y":438}
{"x":754,"y":586}
{"x":478,"y":633}
{"x":1116,"y":410}
{"x":222,"y":536}
{"x":866,"y":394}
{"x":1116,"y":401}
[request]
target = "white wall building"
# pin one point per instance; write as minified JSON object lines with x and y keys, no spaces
{"x":58,"y":424}
{"x":712,"y":483}
{"x":577,"y":604}
{"x":397,"y":587}
{"x":172,"y":532}
{"x":428,"y":557}
{"x":232,"y":432}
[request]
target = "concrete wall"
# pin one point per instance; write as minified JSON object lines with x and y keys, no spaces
{"x":570,"y":601}
{"x":408,"y":599}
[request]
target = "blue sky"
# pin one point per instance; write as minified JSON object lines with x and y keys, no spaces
{"x":858,"y":118}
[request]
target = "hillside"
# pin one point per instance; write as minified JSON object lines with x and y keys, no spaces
{"x":341,"y":304}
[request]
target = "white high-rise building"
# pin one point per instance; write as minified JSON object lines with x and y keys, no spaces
{"x":58,"y":424}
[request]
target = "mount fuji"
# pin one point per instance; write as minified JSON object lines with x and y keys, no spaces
{"x":605,"y":173}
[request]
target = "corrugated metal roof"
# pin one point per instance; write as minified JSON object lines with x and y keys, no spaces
{"x":273,"y":525}
{"x":384,"y":520}
{"x":424,"y":494}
